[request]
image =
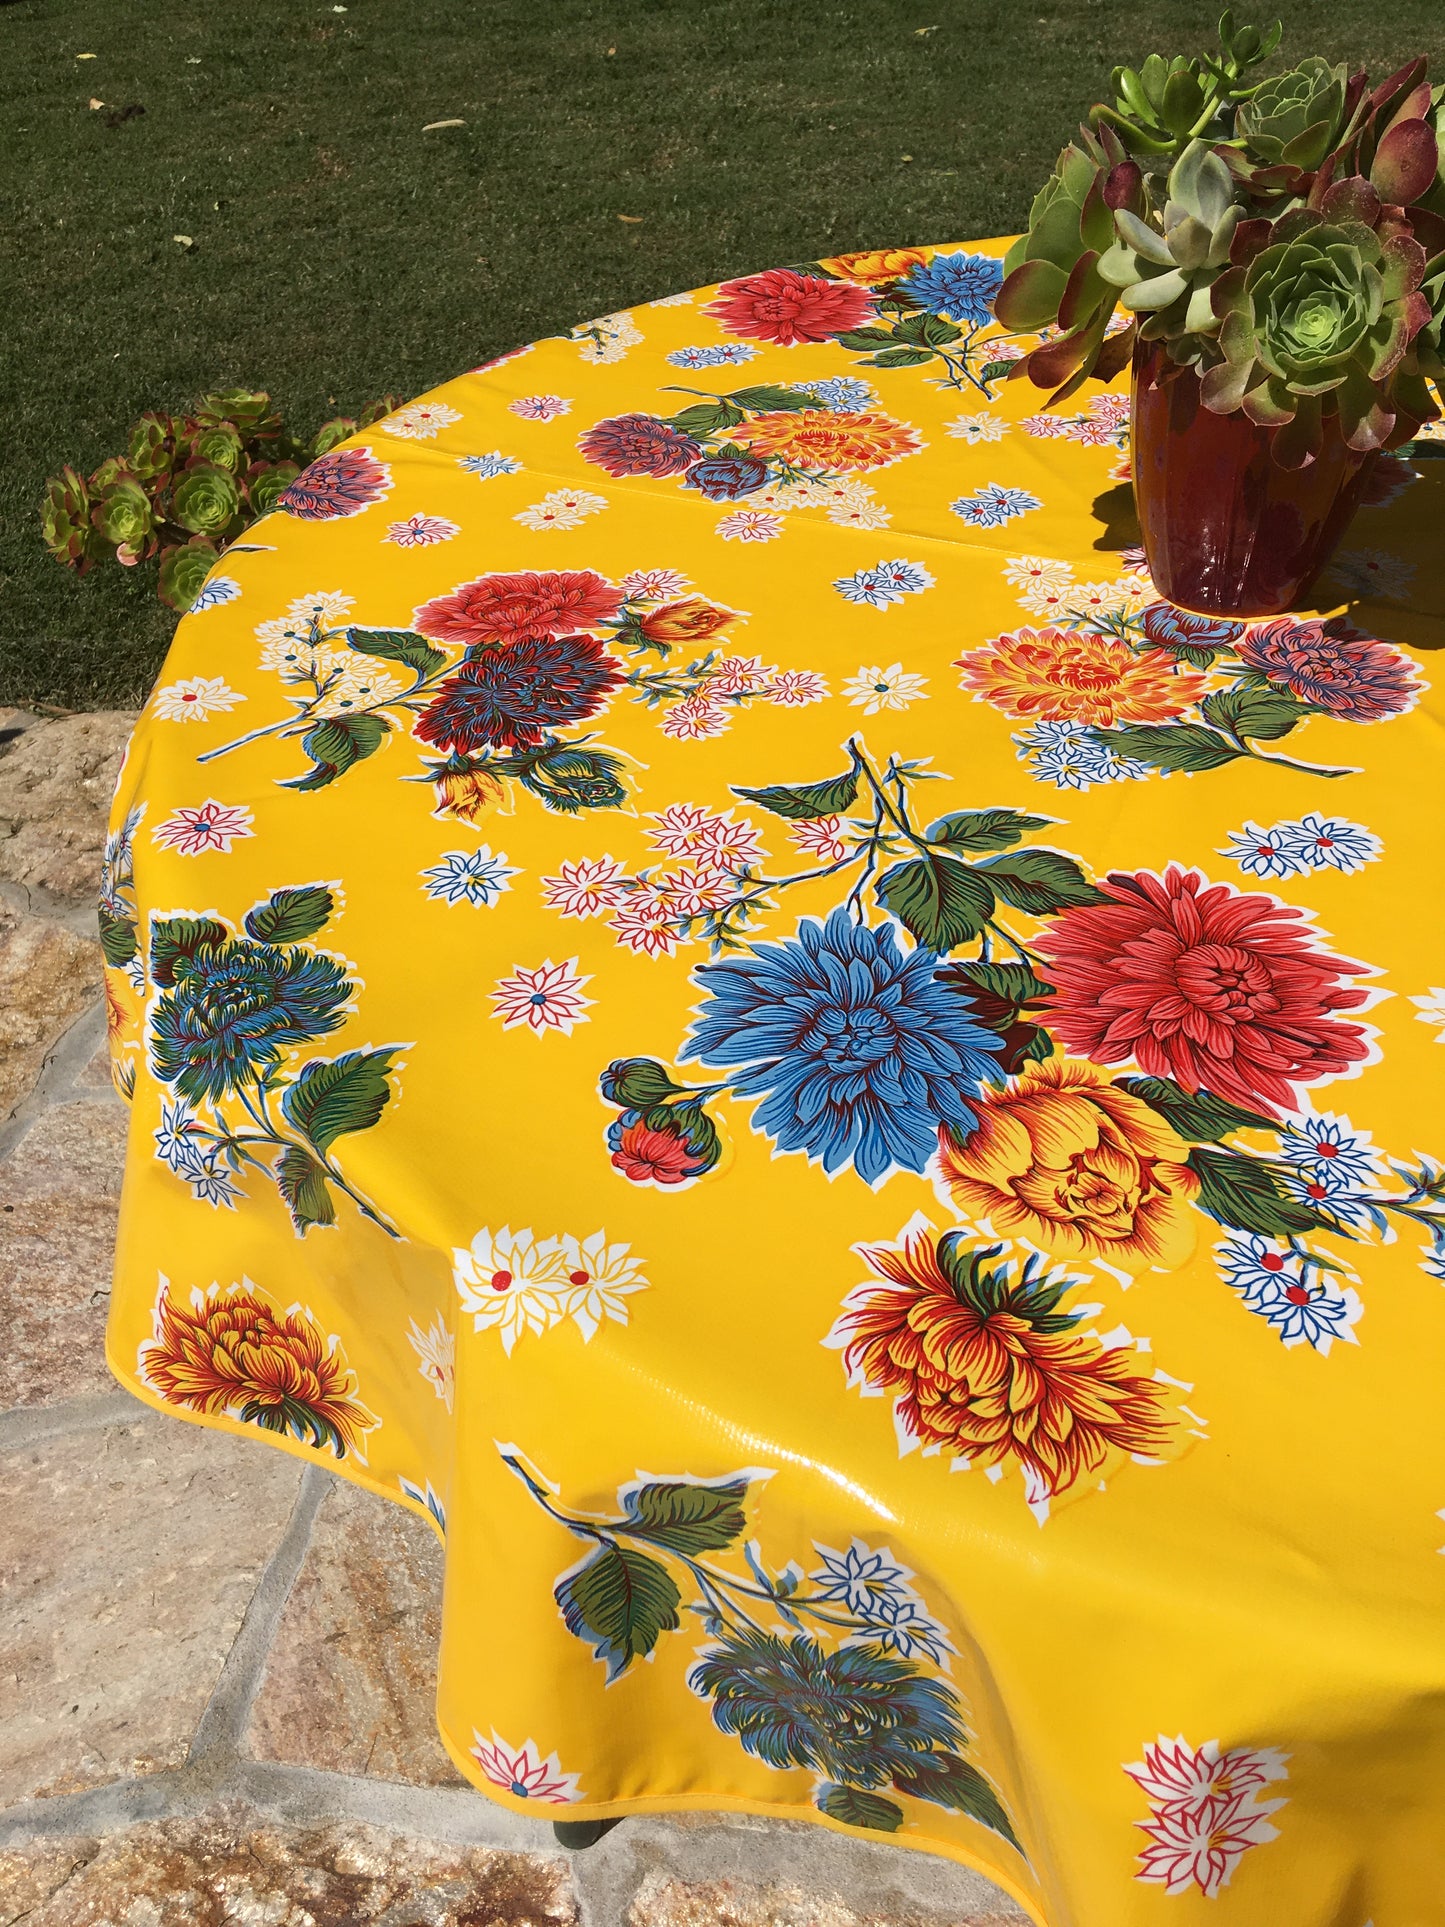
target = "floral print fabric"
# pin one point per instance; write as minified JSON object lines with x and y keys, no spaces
{"x":720,"y":998}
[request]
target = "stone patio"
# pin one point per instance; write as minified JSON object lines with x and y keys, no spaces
{"x":255,"y":1745}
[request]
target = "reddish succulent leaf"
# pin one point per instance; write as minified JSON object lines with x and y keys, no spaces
{"x":1124,"y":186}
{"x":1352,"y":199}
{"x":1399,"y":83}
{"x":1250,"y":238}
{"x":1406,"y":161}
{"x":1415,"y":105}
{"x":1081,"y":297}
{"x":1030,"y":296}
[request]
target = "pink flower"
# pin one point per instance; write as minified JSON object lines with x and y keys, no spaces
{"x":1200,"y":1846}
{"x":522,"y":1770}
{"x":586,"y":888}
{"x":421,"y":531}
{"x":750,"y":525}
{"x":539,"y":408}
{"x":687,"y":893}
{"x":547,"y":998}
{"x":682,"y":828}
{"x":738,"y":676}
{"x":653,"y":585}
{"x":214,"y":826}
{"x":1172,"y":1772}
{"x":647,"y":925}
{"x":694,"y":718}
{"x":1046,"y":428}
{"x":797,"y":686}
{"x":728,"y":847}
{"x":820,"y":837}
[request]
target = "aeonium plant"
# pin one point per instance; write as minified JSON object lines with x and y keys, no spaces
{"x":186,"y":486}
{"x":1283,"y":237}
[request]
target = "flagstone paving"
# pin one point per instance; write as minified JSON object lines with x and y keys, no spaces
{"x":219,"y":1663}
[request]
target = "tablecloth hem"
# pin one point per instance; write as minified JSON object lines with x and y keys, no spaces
{"x":642,"y":1804}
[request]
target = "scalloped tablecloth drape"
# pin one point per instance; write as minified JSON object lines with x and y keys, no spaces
{"x":718,"y":997}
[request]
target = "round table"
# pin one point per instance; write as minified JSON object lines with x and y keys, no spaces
{"x":718,"y":998}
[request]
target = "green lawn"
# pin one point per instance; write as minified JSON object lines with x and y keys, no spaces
{"x":341,"y":252}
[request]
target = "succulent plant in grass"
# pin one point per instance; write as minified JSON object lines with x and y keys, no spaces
{"x":185,"y":485}
{"x":1284,"y":236}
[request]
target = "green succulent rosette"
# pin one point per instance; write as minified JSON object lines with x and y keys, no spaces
{"x":265,"y":481}
{"x":65,"y":520}
{"x":247,"y":410}
{"x":152,"y":451}
{"x":1295,"y":119}
{"x":124,"y":517}
{"x":184,"y":570}
{"x":205,"y":499}
{"x":1167,"y":277}
{"x":1326,"y":311}
{"x":330,"y":433}
{"x":220,"y":444}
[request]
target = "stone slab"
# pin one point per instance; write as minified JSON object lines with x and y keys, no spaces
{"x":350,"y":1682}
{"x":48,"y":976}
{"x":229,"y":1868}
{"x":56,"y":782}
{"x":127,"y":1560}
{"x":59,"y":1190}
{"x":666,"y":1902}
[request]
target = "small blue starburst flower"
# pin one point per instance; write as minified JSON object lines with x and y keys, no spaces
{"x":469,"y":876}
{"x":1070,"y":756}
{"x":1282,"y":1286}
{"x":843,"y":394}
{"x":486,"y":466}
{"x":1330,"y":842}
{"x":902,"y":1626}
{"x":960,"y":286}
{"x":214,"y":1185}
{"x":695,"y":357}
{"x":217,"y":589}
{"x":911,"y":578}
{"x":993,"y":505}
{"x":178,"y":1143}
{"x":866,"y":586}
{"x":732,"y":354}
{"x":857,"y":1051}
{"x":1265,"y":853}
{"x":1344,"y":1156}
{"x":859,"y":1576}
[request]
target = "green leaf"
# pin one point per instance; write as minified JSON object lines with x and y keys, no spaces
{"x":173,"y":939}
{"x":1244,"y":1194}
{"x":984,"y":829}
{"x":1040,"y":881}
{"x":927,"y":330}
{"x":331,"y":1097}
{"x":772,"y":398}
{"x":289,"y":915}
{"x":799,"y":800}
{"x":939,"y":901}
{"x":864,"y":338}
{"x":334,"y":744}
{"x":705,"y":418}
{"x":900,"y":358}
{"x":1169,"y":745}
{"x":397,"y":645}
{"x":1014,"y":982}
{"x":621,"y":1602}
{"x":302,"y":1183}
{"x":687,"y":1518}
{"x":855,"y":1808}
{"x":996,"y":370}
{"x":1194,"y":1114}
{"x":637,"y":1082}
{"x":1263,"y":713}
{"x":117,"y":938}
{"x":948,"y":1781}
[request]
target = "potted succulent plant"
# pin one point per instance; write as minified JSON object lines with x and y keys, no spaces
{"x":1278,"y":246}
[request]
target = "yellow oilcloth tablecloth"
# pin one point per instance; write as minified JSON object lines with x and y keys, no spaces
{"x":718,"y":997}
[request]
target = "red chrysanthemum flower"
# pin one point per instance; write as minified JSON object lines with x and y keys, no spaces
{"x":786,"y":307}
{"x":659,"y":1157}
{"x":510,"y":696}
{"x":638,"y":445}
{"x":528,"y":602}
{"x":1223,"y":990}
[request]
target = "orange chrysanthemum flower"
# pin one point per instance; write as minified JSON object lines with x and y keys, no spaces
{"x":817,"y":439}
{"x":1068,"y":675}
{"x":985,"y":1365}
{"x":874,"y":266}
{"x":1065,"y":1158}
{"x":230,"y":1351}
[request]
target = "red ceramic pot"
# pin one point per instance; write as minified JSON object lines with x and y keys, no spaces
{"x":1227,"y":531}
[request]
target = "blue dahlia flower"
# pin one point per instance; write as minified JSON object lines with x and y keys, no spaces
{"x":234,"y":1007}
{"x":859,"y":1052}
{"x":961,"y":286}
{"x":856,"y":1715}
